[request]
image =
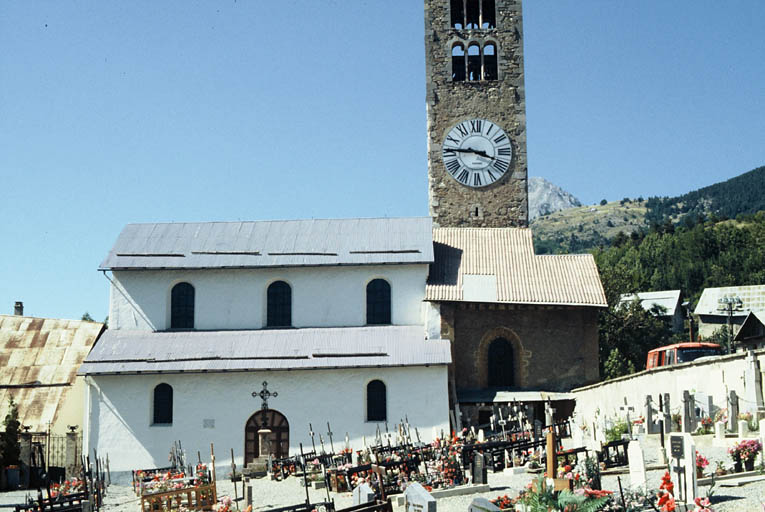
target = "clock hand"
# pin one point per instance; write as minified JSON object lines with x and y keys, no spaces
{"x":483,"y":154}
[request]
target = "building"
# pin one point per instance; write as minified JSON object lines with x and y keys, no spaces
{"x":325,"y":314}
{"x":751,"y":335}
{"x":667,"y":303}
{"x":719,"y":306}
{"x":39,"y":358}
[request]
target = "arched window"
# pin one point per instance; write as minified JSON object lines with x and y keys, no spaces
{"x":458,"y":63}
{"x":163,"y":405}
{"x":489,"y":61}
{"x":474,"y":62}
{"x":182,"y":306}
{"x":279,"y":305}
{"x":500,"y":360}
{"x":458,"y":13}
{"x":473,"y":14}
{"x":378,"y":302}
{"x":377,"y":405}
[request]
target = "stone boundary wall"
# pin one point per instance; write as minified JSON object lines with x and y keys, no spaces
{"x":715,"y":378}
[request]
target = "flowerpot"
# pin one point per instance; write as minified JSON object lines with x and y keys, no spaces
{"x":737,"y":466}
{"x":749,"y":464}
{"x":699,"y":473}
{"x":12,"y":476}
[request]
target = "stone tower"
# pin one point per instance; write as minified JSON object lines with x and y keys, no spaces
{"x":476,"y":113}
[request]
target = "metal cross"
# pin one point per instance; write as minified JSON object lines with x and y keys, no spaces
{"x":264,"y":395}
{"x":329,"y":434}
{"x":310,"y":432}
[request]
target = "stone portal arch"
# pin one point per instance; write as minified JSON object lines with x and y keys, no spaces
{"x":502,"y":338}
{"x":280,"y":434}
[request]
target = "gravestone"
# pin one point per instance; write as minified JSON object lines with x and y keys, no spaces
{"x":733,"y":411}
{"x":637,"y":466}
{"x":743,"y":428}
{"x":650,"y":426}
{"x":418,"y":499}
{"x":753,"y":386}
{"x":363,"y":494}
{"x":687,"y":412}
{"x":667,"y":415}
{"x":719,"y":430}
{"x":682,"y":460}
{"x":703,"y":407}
{"x":480,"y":463}
{"x":482,"y":505}
{"x":481,"y":436}
{"x":537,"y":430}
{"x":762,"y":440}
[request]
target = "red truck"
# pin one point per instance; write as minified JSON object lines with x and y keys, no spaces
{"x":681,"y":353}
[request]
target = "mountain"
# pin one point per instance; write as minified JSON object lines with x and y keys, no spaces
{"x":546,"y":198}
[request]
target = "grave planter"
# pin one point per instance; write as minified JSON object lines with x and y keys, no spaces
{"x":12,"y":478}
{"x":749,"y":464}
{"x":737,"y":466}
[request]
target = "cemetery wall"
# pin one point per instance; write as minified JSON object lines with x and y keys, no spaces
{"x":715,"y":378}
{"x":543,"y":337}
{"x":236,"y":299}
{"x":120,"y":410}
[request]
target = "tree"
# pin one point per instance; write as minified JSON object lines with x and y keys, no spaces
{"x":10,"y":446}
{"x":87,"y":318}
{"x":603,"y":202}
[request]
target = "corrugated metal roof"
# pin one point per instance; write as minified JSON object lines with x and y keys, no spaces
{"x":752,"y":299}
{"x":753,"y":327}
{"x":668,"y":299}
{"x":39,"y":358}
{"x":522,"y":276}
{"x":122,"y":351}
{"x":272,"y":244}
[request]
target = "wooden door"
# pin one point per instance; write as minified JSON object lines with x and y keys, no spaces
{"x":277,"y":423}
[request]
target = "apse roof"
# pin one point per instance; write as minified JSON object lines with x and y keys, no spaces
{"x":281,"y":243}
{"x":130,"y":352}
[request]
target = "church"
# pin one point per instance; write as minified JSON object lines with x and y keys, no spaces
{"x":216,"y":326}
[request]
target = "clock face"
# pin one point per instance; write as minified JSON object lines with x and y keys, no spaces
{"x":477,"y":153}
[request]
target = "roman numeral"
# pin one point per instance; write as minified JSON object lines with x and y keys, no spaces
{"x":500,"y":138}
{"x":449,"y":152}
{"x":491,"y":175}
{"x":461,"y":128}
{"x":452,"y":166}
{"x":463,"y":177}
{"x":508,"y":151}
{"x":491,"y":127}
{"x":475,"y":125}
{"x":452,"y":139}
{"x":500,"y":165}
{"x":476,"y":180}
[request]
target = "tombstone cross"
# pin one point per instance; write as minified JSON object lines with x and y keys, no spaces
{"x":626,"y":409}
{"x":264,"y":395}
{"x":311,"y":433}
{"x":329,"y":434}
{"x":321,"y":441}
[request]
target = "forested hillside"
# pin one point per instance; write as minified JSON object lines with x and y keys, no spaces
{"x":742,"y":194}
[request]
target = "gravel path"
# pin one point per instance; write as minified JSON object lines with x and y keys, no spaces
{"x":270,"y":494}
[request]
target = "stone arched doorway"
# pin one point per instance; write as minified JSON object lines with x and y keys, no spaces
{"x":280,"y":434}
{"x":501,"y":364}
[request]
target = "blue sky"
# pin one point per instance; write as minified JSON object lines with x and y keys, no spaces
{"x":116,"y":112}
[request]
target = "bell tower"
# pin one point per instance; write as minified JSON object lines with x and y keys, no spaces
{"x":476,"y":113}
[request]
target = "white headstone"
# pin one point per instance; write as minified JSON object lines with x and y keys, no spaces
{"x":719,"y":430}
{"x":481,"y":436}
{"x":637,"y":466}
{"x":363,"y":494}
{"x":687,"y":463}
{"x":482,"y":505}
{"x":762,"y":439}
{"x":418,"y":499}
{"x":743,"y":427}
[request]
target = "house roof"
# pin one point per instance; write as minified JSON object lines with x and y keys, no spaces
{"x":753,"y":327}
{"x":39,"y":358}
{"x":668,"y":299}
{"x":122,"y":351}
{"x":499,"y":265}
{"x":752,"y":299}
{"x":258,"y":244}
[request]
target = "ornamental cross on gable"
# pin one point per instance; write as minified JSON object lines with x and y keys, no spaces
{"x":264,"y":395}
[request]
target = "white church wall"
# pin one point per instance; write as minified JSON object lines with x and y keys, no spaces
{"x":120,"y":409}
{"x":235,"y":299}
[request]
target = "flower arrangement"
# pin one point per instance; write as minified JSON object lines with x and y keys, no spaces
{"x":701,"y":463}
{"x":745,"y":450}
{"x":638,"y":421}
{"x":223,"y":505}
{"x":666,"y":501}
{"x":503,"y":502}
{"x":703,"y":505}
{"x":72,"y":486}
{"x":745,"y":416}
{"x":721,"y":415}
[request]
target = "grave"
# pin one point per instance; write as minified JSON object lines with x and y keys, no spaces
{"x":482,"y":505}
{"x":637,"y":466}
{"x":363,"y":494}
{"x":733,"y":411}
{"x":479,"y":469}
{"x":753,"y":386}
{"x":719,"y":430}
{"x":682,"y":458}
{"x":418,"y":499}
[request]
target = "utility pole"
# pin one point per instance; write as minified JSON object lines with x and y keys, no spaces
{"x":729,"y":304}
